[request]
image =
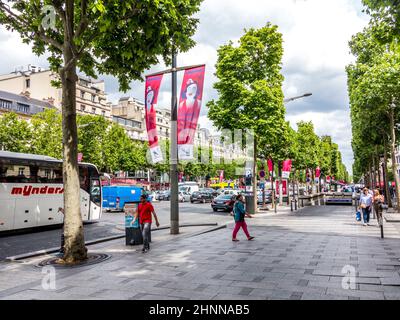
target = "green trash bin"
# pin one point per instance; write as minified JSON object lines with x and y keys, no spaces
{"x":250,"y":203}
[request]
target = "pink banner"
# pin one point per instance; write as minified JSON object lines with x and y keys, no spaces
{"x":189,"y":110}
{"x":318,"y":172}
{"x":287,"y":168}
{"x":270,"y":165}
{"x":153,"y":84}
{"x":221,"y":176}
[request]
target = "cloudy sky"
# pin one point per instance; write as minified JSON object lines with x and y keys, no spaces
{"x":315,"y":33}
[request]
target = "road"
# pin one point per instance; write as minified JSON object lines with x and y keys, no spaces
{"x":111,"y":224}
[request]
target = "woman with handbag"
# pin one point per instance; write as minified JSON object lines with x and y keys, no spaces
{"x":379,"y":202}
{"x":366,"y":206}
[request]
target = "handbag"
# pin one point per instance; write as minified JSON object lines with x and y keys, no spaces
{"x":358,"y":216}
{"x":384,"y":206}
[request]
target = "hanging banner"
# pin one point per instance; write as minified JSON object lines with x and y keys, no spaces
{"x":153,"y":84}
{"x":221,"y":176}
{"x":318,"y":172}
{"x":270,"y":166}
{"x":328,"y":179}
{"x":189,"y":111}
{"x":287,"y":167}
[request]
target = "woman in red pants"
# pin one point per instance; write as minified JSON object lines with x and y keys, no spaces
{"x":239,"y":214}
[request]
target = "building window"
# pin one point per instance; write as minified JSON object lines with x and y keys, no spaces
{"x":28,"y":83}
{"x":24,"y":108}
{"x":5,"y":104}
{"x":93,"y":110}
{"x":103,"y":113}
{"x":83,"y":107}
{"x":93,"y":98}
{"x":82,"y":94}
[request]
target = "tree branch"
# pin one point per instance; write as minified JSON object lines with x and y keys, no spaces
{"x":17,"y":20}
{"x":84,"y":19}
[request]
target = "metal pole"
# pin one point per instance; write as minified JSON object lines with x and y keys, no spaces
{"x":174,"y":152}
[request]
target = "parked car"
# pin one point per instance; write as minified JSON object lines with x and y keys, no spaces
{"x":164,"y":196}
{"x":223,"y":202}
{"x":202,"y":197}
{"x":184,"y":197}
{"x":214,"y":192}
{"x":268,"y":197}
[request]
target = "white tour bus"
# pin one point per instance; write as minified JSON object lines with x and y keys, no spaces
{"x":188,"y":187}
{"x":31,"y":191}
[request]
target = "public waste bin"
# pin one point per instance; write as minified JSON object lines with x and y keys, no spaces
{"x":250,"y":203}
{"x":133,"y":235}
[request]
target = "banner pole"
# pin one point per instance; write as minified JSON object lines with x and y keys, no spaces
{"x":174,"y":152}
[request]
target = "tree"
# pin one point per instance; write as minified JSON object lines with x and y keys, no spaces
{"x":121,"y":38}
{"x":47,"y":134}
{"x":250,"y":87}
{"x":15,"y":134}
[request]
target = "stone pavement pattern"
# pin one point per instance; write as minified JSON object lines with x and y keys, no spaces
{"x":295,"y":256}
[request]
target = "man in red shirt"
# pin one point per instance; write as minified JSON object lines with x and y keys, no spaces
{"x":144,"y":212}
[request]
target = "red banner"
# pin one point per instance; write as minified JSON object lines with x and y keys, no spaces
{"x":270,"y":166}
{"x":153,"y":84}
{"x":287,"y":167}
{"x":189,"y":110}
{"x":221,"y":176}
{"x":318,"y":172}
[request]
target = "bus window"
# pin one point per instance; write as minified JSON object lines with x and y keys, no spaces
{"x":3,"y":174}
{"x":84,"y":178}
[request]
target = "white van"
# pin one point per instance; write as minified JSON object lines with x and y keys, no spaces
{"x":189,"y":187}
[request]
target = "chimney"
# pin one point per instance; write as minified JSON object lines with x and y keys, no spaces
{"x":49,"y":100}
{"x":26,"y":94}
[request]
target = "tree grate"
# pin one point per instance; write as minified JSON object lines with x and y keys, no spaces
{"x":93,"y":258}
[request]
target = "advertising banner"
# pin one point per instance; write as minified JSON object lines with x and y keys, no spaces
{"x":189,"y":111}
{"x":221,"y":176}
{"x":270,"y":166}
{"x":284,"y":188}
{"x":153,"y":84}
{"x":318,"y":173}
{"x":287,"y":167}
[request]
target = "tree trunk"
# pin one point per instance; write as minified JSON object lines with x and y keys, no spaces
{"x":393,"y":152}
{"x":75,"y":250}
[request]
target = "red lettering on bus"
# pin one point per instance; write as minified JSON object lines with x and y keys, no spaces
{"x":27,"y":191}
{"x":16,"y":191}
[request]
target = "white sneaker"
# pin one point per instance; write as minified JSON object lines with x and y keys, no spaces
{"x":364,"y":224}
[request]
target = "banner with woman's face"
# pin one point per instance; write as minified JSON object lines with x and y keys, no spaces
{"x":189,"y":111}
{"x":153,"y":84}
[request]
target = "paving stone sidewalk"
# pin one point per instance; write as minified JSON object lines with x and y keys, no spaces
{"x":303,"y":255}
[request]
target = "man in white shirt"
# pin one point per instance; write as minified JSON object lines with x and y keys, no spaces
{"x":366,"y":205}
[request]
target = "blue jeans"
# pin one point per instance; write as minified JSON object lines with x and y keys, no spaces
{"x":366,"y":214}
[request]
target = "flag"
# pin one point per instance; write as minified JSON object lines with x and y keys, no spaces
{"x":153,"y":84}
{"x":270,"y":166}
{"x":189,"y":110}
{"x":287,"y":168}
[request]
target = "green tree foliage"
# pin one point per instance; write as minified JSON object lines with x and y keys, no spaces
{"x":15,"y":134}
{"x":250,"y":85}
{"x":47,"y":134}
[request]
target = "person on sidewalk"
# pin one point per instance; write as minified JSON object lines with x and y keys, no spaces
{"x":378,"y":200}
{"x":144,"y":213}
{"x":366,"y":205}
{"x":239,"y":214}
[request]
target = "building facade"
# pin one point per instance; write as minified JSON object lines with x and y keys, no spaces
{"x":37,"y":83}
{"x":24,"y":106}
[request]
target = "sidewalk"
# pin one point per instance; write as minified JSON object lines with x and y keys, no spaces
{"x":299,"y":255}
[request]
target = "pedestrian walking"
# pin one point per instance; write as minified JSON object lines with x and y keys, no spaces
{"x":239,"y":214}
{"x":144,"y":212}
{"x":378,"y":200}
{"x":366,"y":205}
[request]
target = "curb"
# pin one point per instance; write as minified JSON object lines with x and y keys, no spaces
{"x":106,"y":239}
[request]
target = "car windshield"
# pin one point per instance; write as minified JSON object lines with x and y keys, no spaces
{"x":224,"y":198}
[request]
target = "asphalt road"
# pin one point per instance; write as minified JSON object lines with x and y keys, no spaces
{"x":111,"y":224}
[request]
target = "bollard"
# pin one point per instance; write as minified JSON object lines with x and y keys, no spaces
{"x":295,"y":204}
{"x":291,"y":206}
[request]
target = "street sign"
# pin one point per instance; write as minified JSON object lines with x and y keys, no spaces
{"x":262,"y":174}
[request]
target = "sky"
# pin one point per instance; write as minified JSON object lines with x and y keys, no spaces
{"x":315,"y":34}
